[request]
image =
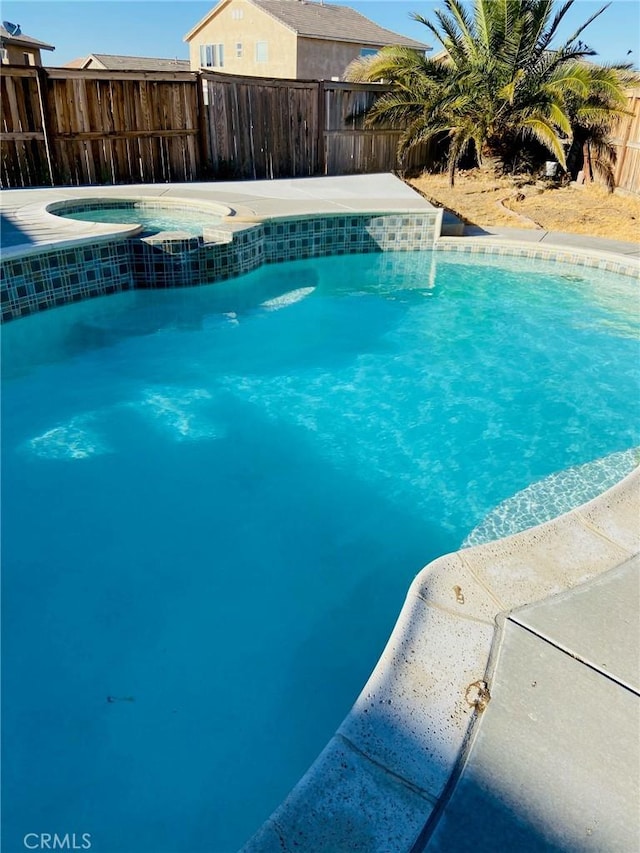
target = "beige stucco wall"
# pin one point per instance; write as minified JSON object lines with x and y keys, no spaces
{"x":322,"y":60}
{"x":15,"y":55}
{"x":254,"y":26}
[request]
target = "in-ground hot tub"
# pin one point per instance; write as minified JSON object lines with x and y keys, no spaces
{"x":152,"y":215}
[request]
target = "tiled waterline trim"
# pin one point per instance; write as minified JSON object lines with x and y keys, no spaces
{"x":54,"y":276}
{"x":493,"y":248}
{"x":308,"y":237}
{"x":162,"y":261}
{"x":50,"y":278}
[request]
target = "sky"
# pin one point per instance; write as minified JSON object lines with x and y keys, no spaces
{"x":157,"y":27}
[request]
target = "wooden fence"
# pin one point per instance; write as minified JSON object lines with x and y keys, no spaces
{"x":266,"y":128}
{"x":23,"y":145}
{"x":65,"y":126}
{"x":261,"y":128}
{"x":627,"y":143}
{"x":349,"y":148}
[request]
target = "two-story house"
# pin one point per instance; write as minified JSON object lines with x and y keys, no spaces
{"x":19,"y":49}
{"x":286,"y":38}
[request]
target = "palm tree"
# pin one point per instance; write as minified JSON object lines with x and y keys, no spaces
{"x":592,"y":113}
{"x":498,"y":82}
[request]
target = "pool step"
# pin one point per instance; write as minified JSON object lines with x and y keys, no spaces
{"x":451,"y":225}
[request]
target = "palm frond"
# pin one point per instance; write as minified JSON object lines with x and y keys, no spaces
{"x":546,"y":134}
{"x":465,"y":25}
{"x":484,"y":18}
{"x":584,"y":26}
{"x":501,"y":79}
{"x":547,"y":36}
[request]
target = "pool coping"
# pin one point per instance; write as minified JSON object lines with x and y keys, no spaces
{"x":250,"y":203}
{"x":389,"y":768}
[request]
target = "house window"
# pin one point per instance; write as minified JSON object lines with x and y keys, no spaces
{"x":211,"y":55}
{"x":368,"y":51}
{"x":261,"y":51}
{"x":237,"y":14}
{"x":238,"y":50}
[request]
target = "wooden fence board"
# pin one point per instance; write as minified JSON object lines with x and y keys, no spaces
{"x":23,"y":152}
{"x":262,"y":128}
{"x":626,"y":140}
{"x":349,"y":147}
{"x":123,"y":128}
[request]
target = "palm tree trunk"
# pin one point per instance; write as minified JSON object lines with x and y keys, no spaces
{"x":586,"y":163}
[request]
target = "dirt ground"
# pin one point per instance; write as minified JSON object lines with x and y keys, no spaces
{"x":480,"y":198}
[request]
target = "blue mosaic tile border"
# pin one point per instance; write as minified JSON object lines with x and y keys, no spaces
{"x":539,"y":253}
{"x":50,"y":278}
{"x":55,"y":276}
{"x":161,"y":262}
{"x":310,"y":237}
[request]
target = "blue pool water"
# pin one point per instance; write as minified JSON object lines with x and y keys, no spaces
{"x":152,"y":220}
{"x":216,"y":498}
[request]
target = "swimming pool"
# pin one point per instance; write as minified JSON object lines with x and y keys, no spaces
{"x":220,"y":496}
{"x":154,"y":216}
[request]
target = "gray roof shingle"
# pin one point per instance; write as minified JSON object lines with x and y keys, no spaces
{"x":140,"y":63}
{"x":336,"y":23}
{"x":27,"y":41}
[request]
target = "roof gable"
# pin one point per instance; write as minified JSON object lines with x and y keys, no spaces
{"x":203,"y":21}
{"x":76,"y":63}
{"x":322,"y":21}
{"x":333,"y":23}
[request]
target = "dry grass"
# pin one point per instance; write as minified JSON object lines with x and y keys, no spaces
{"x":481,"y":198}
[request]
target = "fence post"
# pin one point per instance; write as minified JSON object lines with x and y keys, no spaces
{"x":204,"y":147}
{"x":321,"y":128}
{"x":41,"y":77}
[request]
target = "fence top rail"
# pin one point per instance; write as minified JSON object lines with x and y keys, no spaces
{"x":345,"y":85}
{"x":289,"y":83}
{"x":187,"y":77}
{"x":19,"y":71}
{"x":284,"y":82}
{"x":104,"y":74}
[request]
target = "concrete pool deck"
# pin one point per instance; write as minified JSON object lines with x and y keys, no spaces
{"x":27,"y":225}
{"x":505,"y":708}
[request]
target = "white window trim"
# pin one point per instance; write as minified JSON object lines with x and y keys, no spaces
{"x":215,"y":52}
{"x":266,"y":51}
